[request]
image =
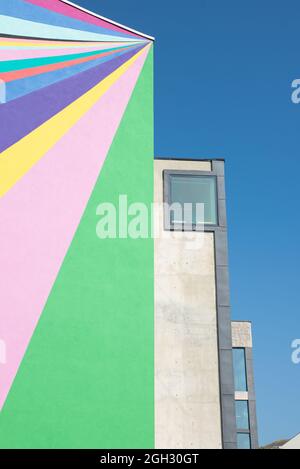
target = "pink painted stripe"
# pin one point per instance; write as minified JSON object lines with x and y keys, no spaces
{"x":41,"y":213}
{"x":16,"y":54}
{"x":69,"y":10}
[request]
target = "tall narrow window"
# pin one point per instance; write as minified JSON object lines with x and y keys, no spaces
{"x":239,"y":368}
{"x":242,"y":415}
{"x":243,"y":441}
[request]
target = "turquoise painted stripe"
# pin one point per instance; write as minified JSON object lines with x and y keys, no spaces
{"x":12,"y":65}
{"x":20,"y":27}
{"x":17,"y":88}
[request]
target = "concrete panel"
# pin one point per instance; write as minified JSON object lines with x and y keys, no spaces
{"x":185,"y":165}
{"x":187,"y":392}
{"x":241,"y":334}
{"x":241,"y":396}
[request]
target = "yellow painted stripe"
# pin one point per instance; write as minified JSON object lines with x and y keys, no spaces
{"x":20,"y":157}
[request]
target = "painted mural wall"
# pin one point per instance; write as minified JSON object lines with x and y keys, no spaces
{"x":76,"y":312}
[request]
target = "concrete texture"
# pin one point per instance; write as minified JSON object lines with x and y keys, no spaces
{"x":241,"y":334}
{"x":187,"y":391}
{"x":241,"y":396}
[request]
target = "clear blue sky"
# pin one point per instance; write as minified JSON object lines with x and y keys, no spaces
{"x":223,"y":73}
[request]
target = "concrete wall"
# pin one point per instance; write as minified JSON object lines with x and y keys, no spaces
{"x":187,"y":393}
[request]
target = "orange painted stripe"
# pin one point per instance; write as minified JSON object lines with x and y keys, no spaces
{"x":30,"y":72}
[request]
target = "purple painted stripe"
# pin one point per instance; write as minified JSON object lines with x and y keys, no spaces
{"x":21,"y":116}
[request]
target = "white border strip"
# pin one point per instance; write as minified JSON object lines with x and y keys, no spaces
{"x":108,"y":20}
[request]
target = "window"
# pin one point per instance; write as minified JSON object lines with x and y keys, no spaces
{"x":243,"y":441}
{"x":194,"y":197}
{"x":239,"y":368}
{"x":242,"y":415}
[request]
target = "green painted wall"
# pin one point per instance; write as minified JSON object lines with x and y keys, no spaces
{"x":87,"y":379}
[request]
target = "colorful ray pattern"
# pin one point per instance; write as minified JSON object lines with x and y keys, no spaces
{"x":67,"y":77}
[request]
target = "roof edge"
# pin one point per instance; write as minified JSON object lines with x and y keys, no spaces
{"x":241,"y":320}
{"x":108,"y":20}
{"x":178,"y":158}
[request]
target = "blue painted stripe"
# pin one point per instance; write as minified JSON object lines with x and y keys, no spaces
{"x":30,"y":12}
{"x":19,"y":27}
{"x":17,"y":88}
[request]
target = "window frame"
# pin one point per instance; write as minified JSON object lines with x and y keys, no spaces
{"x":244,"y":432}
{"x":242,"y":429}
{"x":170,"y":226}
{"x":234,"y":371}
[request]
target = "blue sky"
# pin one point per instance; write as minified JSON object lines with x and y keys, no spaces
{"x":223,"y":73}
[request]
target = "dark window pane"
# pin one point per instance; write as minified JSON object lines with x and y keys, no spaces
{"x":242,"y":415}
{"x":194,"y":190}
{"x":239,"y":367}
{"x":243,"y":441}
